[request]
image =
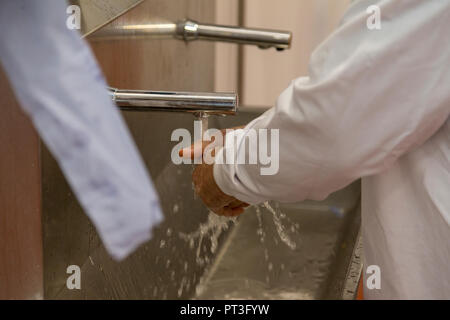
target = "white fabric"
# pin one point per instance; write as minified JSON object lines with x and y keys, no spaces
{"x":60,"y":86}
{"x":375,"y":105}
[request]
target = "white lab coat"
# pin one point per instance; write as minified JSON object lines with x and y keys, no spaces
{"x":375,"y":105}
{"x":58,"y":83}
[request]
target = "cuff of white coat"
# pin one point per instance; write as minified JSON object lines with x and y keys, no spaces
{"x":227,"y":178}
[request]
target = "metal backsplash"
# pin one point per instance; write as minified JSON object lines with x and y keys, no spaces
{"x":97,"y":13}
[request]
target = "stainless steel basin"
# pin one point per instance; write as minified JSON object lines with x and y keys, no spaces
{"x":172,"y":267}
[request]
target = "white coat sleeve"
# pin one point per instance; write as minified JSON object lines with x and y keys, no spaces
{"x":58,"y":83}
{"x":371,"y":95}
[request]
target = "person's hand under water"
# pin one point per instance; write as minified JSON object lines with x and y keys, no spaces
{"x":206,"y":187}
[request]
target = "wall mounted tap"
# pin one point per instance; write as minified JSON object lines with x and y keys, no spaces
{"x":198,"y":103}
{"x":189,"y":30}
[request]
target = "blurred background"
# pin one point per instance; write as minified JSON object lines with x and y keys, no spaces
{"x":260,"y":75}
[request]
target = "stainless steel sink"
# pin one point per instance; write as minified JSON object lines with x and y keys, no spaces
{"x":168,"y":266}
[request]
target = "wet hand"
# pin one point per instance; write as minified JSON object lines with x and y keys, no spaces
{"x":206,"y":188}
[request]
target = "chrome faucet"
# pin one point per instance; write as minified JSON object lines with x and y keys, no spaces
{"x":197,"y":103}
{"x":189,"y":30}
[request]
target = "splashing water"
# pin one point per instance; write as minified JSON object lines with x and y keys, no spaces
{"x":260,"y":231}
{"x":213,"y":227}
{"x":277,"y":217}
{"x":205,"y":241}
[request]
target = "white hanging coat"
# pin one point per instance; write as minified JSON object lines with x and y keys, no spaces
{"x":58,"y":83}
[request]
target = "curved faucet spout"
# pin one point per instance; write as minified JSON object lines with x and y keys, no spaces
{"x":189,"y":30}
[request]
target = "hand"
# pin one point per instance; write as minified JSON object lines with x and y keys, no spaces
{"x":207,"y":189}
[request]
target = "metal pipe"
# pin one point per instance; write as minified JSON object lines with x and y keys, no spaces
{"x":189,"y":30}
{"x":263,"y":38}
{"x":194,"y":102}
